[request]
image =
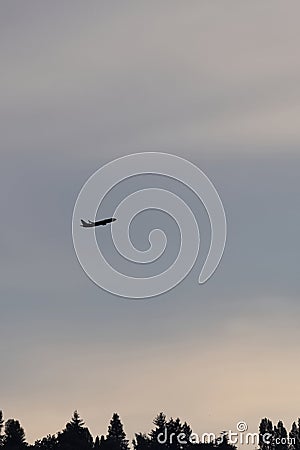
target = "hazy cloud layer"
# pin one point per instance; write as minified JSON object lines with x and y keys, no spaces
{"x":84,"y":83}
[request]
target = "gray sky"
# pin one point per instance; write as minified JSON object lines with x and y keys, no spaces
{"x":83,"y":83}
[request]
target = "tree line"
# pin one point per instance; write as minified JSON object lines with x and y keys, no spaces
{"x":166,"y":434}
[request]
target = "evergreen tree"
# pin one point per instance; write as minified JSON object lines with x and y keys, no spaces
{"x":266,"y":435}
{"x":295,"y":436}
{"x":141,"y":442}
{"x":97,"y":443}
{"x":116,"y":436}
{"x":187,"y":431}
{"x":102,"y":443}
{"x":47,"y":443}
{"x":14,"y":436}
{"x":75,"y":436}
{"x":280,"y":437}
{"x":176,"y":435}
{"x":223,"y":443}
{"x":1,"y":427}
{"x":171,"y":435}
{"x":160,"y":433}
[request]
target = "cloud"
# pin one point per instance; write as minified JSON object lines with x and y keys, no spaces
{"x":82,"y":84}
{"x":85,"y":82}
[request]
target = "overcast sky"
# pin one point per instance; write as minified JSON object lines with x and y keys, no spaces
{"x":82,"y":83}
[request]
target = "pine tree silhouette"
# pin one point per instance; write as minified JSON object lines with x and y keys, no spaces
{"x":266,"y":430}
{"x":280,"y":437}
{"x":142,"y":442}
{"x":223,"y":443}
{"x":1,"y":427}
{"x":97,"y":443}
{"x":159,"y":430}
{"x":116,"y":437}
{"x":47,"y":443}
{"x":75,"y":436}
{"x":166,"y":435}
{"x":14,"y":436}
{"x":295,"y":436}
{"x":102,"y":443}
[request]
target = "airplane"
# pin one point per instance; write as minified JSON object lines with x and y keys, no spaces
{"x":90,"y":224}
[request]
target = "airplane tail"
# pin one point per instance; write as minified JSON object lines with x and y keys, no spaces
{"x":84,"y":224}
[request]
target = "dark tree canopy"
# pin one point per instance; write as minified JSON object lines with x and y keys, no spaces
{"x":172,"y":434}
{"x":97,"y":443}
{"x":47,"y":443}
{"x":280,"y":437}
{"x":14,"y":436}
{"x":1,"y":426}
{"x":266,"y":428}
{"x":166,"y":434}
{"x":116,"y":436}
{"x":75,"y":435}
{"x":295,"y":435}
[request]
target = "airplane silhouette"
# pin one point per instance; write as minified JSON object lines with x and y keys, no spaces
{"x":90,"y":224}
